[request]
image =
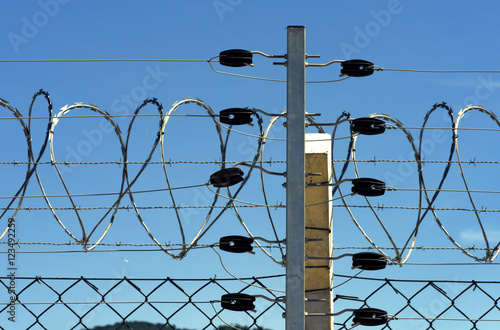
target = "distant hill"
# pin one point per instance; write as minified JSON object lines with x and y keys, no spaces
{"x":136,"y":325}
{"x":139,"y":325}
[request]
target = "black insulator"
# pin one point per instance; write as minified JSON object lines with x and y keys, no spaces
{"x":236,"y":116}
{"x":368,"y":126}
{"x":235,"y":57}
{"x":370,"y":317}
{"x":226,"y":177}
{"x":236,"y":244}
{"x":357,"y":68}
{"x":368,"y":187}
{"x":239,"y":302}
{"x":369,"y":261}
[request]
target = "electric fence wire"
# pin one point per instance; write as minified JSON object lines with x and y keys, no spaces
{"x":378,"y":68}
{"x":100,"y":60}
{"x":267,"y":79}
{"x":209,"y":61}
{"x":213,"y":59}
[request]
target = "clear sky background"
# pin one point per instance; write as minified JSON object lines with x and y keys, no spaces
{"x":404,"y":34}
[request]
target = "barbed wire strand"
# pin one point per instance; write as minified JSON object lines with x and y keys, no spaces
{"x":166,"y":162}
{"x":270,"y":246}
{"x":269,"y":161}
{"x":128,"y":208}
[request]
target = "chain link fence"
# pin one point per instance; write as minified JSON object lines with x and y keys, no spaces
{"x":420,"y":305}
{"x":85,"y":303}
{"x":120,"y":303}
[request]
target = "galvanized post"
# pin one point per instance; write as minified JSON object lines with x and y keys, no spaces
{"x":295,"y":178}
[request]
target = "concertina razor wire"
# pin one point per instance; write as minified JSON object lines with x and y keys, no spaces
{"x":427,"y":197}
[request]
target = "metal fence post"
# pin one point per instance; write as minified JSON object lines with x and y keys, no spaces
{"x":295,"y":178}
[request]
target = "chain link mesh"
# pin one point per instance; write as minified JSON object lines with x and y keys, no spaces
{"x":170,"y":303}
{"x":420,"y":305}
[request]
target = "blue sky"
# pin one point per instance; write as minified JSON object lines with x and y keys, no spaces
{"x":405,"y":34}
